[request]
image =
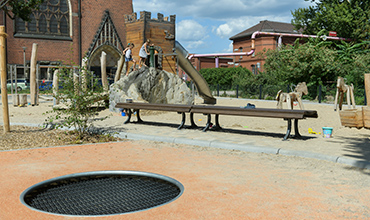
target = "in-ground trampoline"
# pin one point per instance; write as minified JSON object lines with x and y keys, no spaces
{"x":102,"y":193}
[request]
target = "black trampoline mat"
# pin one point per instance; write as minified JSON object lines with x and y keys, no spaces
{"x":94,"y":194}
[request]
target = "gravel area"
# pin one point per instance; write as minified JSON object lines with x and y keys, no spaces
{"x":23,"y":137}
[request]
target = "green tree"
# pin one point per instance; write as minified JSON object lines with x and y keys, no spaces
{"x":20,"y":8}
{"x":349,"y":18}
{"x":312,"y":62}
{"x":317,"y":62}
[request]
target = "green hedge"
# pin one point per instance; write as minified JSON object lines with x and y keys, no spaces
{"x":226,"y":76}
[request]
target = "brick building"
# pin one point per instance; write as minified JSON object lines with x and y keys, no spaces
{"x":210,"y":62}
{"x":242,"y":42}
{"x":68,"y":30}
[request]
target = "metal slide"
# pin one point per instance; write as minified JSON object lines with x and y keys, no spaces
{"x":200,"y":82}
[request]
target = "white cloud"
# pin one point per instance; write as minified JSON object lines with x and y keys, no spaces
{"x":206,"y":25}
{"x":220,"y":9}
{"x":224,"y":30}
{"x":235,"y":26}
{"x":192,"y":33}
{"x":195,"y":44}
{"x":229,"y":49}
{"x":190,"y":30}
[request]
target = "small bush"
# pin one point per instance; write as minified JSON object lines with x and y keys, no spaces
{"x":79,"y":103}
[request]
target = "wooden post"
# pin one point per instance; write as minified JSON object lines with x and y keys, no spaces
{"x":56,"y":86}
{"x":76,"y":81}
{"x":103,"y":64}
{"x":23,"y":99}
{"x":33,"y":83}
{"x":120,"y":63}
{"x":352,"y":90}
{"x":84,"y":74}
{"x":367,"y":88}
{"x":13,"y":70}
{"x":4,"y":91}
{"x":348,"y":88}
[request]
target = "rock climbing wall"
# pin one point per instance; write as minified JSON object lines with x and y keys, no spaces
{"x":150,"y":85}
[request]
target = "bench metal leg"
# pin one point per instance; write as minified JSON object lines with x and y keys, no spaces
{"x":217,"y":126}
{"x":208,"y":123}
{"x":296,"y":132}
{"x":138,"y":116}
{"x":288,"y":130}
{"x":182,"y":121}
{"x":193,"y":125}
{"x":128,"y":112}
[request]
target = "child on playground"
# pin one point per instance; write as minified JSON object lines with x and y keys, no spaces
{"x":143,"y":54}
{"x":128,"y":56}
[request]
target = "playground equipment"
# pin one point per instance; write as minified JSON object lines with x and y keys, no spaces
{"x":341,"y":89}
{"x":291,"y":97}
{"x":358,"y":118}
{"x":199,"y":81}
{"x":33,"y":86}
{"x":4,"y":92}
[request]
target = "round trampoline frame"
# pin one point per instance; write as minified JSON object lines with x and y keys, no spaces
{"x":103,"y":173}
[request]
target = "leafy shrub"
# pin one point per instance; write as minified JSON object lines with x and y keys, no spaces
{"x":225,"y":76}
{"x":79,"y":104}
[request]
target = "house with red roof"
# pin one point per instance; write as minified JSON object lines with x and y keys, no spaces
{"x":242,"y":42}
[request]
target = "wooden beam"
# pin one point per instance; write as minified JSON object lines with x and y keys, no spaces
{"x":367,"y":88}
{"x":103,"y":65}
{"x":3,"y":72}
{"x":33,"y":84}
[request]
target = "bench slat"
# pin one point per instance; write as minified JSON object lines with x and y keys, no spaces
{"x":223,"y":110}
{"x":257,"y":112}
{"x":155,"y":107}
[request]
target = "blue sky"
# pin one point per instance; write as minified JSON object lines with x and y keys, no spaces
{"x":205,"y":26}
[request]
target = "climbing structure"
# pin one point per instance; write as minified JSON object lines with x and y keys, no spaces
{"x":160,"y":31}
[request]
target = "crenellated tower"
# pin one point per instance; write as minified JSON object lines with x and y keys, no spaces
{"x":160,"y":31}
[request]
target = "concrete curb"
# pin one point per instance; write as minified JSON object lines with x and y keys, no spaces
{"x":246,"y":148}
{"x":306,"y":154}
{"x":250,"y":148}
{"x":362,"y":164}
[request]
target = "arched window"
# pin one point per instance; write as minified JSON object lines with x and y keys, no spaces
{"x":50,"y":21}
{"x":53,"y":25}
{"x":64,"y":25}
{"x":43,"y":24}
{"x":32,"y":24}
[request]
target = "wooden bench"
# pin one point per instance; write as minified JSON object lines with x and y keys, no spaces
{"x":285,"y":114}
{"x":208,"y":110}
{"x":136,"y":106}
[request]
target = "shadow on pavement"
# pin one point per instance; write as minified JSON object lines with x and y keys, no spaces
{"x":358,"y":148}
{"x":226,"y":130}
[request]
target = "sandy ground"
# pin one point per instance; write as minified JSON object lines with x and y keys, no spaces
{"x":219,"y":184}
{"x":347,"y":142}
